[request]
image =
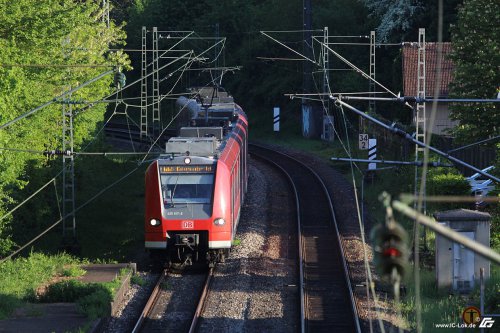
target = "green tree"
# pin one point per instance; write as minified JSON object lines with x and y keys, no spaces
{"x":45,"y":48}
{"x":476,"y":55}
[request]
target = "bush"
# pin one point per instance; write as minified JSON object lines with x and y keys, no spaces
{"x":450,"y":183}
{"x":67,"y":291}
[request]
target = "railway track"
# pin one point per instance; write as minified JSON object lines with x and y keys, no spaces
{"x":327,"y":303}
{"x":173,"y":305}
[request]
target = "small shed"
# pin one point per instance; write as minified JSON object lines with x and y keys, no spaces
{"x":457,"y":266}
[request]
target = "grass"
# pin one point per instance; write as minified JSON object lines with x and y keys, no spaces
{"x":439,"y":306}
{"x":19,"y":278}
{"x":138,"y":280}
{"x":73,"y":271}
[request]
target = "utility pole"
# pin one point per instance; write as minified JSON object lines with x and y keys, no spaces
{"x":144,"y":86}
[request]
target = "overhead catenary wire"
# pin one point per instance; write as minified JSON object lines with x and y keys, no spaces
{"x":410,"y":138}
{"x":416,"y":99}
{"x":69,"y":92}
{"x":28,"y":199}
{"x":361,"y":72}
{"x":289,"y":48}
{"x":59,"y":65}
{"x":495,"y":138}
{"x":92,"y":153}
{"x":56,"y":152}
{"x":86,"y":203}
{"x":98,"y":194}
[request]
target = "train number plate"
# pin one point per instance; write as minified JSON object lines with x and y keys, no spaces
{"x":187,"y":224}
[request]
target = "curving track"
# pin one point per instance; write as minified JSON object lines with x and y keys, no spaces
{"x":326,"y":295}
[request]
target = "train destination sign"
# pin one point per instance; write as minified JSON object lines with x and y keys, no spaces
{"x":186,"y":168}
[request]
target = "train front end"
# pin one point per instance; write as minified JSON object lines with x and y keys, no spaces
{"x":185,"y":217}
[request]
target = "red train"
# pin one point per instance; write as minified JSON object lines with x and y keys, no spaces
{"x":194,"y":193}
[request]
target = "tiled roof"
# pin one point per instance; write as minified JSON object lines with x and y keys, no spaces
{"x":410,"y":68}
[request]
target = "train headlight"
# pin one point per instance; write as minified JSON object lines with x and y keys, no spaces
{"x":187,"y":160}
{"x":155,"y":222}
{"x":219,"y":221}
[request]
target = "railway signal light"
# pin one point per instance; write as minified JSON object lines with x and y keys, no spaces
{"x":390,"y":251}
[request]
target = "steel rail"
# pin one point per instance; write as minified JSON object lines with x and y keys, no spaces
{"x":301,"y":246}
{"x":344,"y":263}
{"x":201,"y":302}
{"x":300,"y":239}
{"x":151,"y":301}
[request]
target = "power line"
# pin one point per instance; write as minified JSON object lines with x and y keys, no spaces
{"x":410,"y":138}
{"x":475,"y":143}
{"x":27,"y":199}
{"x":57,"y":65}
{"x":69,"y":92}
{"x":98,"y":194}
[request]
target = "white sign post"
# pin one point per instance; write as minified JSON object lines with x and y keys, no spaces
{"x":372,"y":153}
{"x":276,"y":119}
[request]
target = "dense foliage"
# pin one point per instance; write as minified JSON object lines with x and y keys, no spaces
{"x":46,"y":47}
{"x":476,"y":55}
{"x":440,"y":182}
{"x":400,"y":20}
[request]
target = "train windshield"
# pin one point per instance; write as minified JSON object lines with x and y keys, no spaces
{"x":187,"y":188}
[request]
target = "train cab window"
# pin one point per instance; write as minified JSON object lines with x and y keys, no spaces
{"x":187,"y":188}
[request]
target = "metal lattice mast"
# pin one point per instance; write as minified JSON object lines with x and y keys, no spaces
{"x":371,"y":105}
{"x":326,"y":67}
{"x":420,"y":116}
{"x":68,"y":197}
{"x":156,"y":85}
{"x":144,"y":86}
